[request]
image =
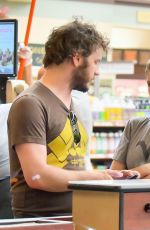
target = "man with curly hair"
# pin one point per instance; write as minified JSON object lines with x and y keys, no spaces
{"x":47,"y":140}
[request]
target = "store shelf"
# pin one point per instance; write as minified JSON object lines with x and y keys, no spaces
{"x":101,"y":161}
{"x":108,"y":126}
{"x":101,"y":156}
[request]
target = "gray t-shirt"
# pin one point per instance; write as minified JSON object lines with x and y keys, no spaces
{"x":134,"y":147}
{"x":4,"y":156}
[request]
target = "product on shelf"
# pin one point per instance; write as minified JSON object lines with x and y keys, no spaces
{"x":105,"y":143}
{"x":114,"y":110}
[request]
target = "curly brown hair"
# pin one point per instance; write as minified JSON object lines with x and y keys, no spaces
{"x":73,"y":37}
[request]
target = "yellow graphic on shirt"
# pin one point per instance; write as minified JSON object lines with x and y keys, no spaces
{"x":64,"y":152}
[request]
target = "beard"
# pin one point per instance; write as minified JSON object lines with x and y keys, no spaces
{"x":80,"y":77}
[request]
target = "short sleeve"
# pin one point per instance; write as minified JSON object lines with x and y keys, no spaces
{"x":27,"y":121}
{"x":122,"y":148}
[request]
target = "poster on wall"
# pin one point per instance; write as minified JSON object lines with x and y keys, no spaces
{"x":38,"y":51}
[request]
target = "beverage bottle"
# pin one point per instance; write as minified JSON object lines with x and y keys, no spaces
{"x":98,"y":143}
{"x":110,"y":143}
{"x":93,"y":144}
{"x":104,"y":143}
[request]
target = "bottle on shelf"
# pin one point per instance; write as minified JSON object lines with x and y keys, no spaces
{"x":98,"y":143}
{"x":110,"y":143}
{"x":104,"y":143}
{"x":93,"y":144}
{"x":97,"y":110}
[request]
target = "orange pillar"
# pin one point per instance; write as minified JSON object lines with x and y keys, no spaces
{"x":22,"y":61}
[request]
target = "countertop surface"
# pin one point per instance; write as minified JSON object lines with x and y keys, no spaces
{"x":111,"y":185}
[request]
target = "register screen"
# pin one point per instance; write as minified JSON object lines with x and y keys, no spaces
{"x":8,"y":44}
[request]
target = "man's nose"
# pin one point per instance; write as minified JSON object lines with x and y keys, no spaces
{"x":97,"y":73}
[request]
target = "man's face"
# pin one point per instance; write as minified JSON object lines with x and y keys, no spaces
{"x":87,"y":71}
{"x":148,"y":80}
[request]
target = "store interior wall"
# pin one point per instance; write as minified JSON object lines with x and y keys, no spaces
{"x":118,"y":22}
{"x":52,"y":13}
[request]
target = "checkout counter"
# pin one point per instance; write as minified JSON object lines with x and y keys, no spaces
{"x":43,"y":223}
{"x":111,"y":204}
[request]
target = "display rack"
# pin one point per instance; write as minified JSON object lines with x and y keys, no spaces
{"x":107,"y":133}
{"x":107,"y":127}
{"x":103,"y":158}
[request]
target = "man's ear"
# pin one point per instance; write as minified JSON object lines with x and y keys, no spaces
{"x":77,"y":59}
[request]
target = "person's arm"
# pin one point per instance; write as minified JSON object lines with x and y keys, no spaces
{"x":24,"y":52}
{"x":120,"y":155}
{"x":116,"y":165}
{"x":144,"y":170}
{"x":27,"y":74}
{"x":146,"y":177}
{"x":39,"y":175}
